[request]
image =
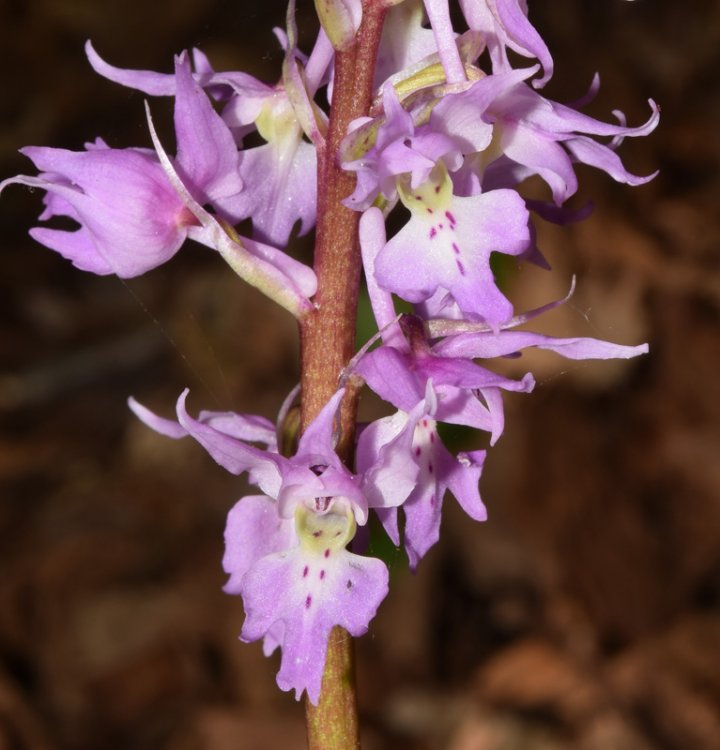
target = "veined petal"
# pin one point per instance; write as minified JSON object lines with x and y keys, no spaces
{"x":318,"y":65}
{"x":392,"y":474}
{"x":315,"y":586}
{"x":311,"y":118}
{"x":207,"y":157}
{"x":522,"y":36}
{"x":555,"y":119}
{"x":404,"y":40}
{"x":587,"y":151}
{"x":536,"y":134}
{"x":77,"y":247}
{"x":233,"y":454}
{"x":340,"y":19}
{"x":317,"y":443}
{"x":295,"y":274}
{"x":423,"y":515}
{"x":438,"y":471}
{"x":494,"y":401}
{"x":439,"y":15}
{"x":372,"y":241}
{"x":168,"y":427}
{"x":147,"y":81}
{"x":459,"y":373}
{"x":460,"y":114}
{"x":249,"y":427}
{"x":447,"y":244}
{"x":388,"y":373}
{"x":131,"y":219}
{"x":254,"y":529}
{"x":280,"y":188}
{"x":463,"y":481}
{"x":462,"y":406}
{"x":488,"y":345}
{"x":504,"y":25}
{"x":543,"y":156}
{"x":265,"y":276}
{"x":164,"y":84}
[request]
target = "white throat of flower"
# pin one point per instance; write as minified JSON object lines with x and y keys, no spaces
{"x":324,"y":533}
{"x":432,"y":197}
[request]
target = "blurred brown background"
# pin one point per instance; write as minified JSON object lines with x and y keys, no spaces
{"x":584,"y":614}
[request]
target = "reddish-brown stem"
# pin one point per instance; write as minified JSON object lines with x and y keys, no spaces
{"x":327,"y":337}
{"x":328,"y":333}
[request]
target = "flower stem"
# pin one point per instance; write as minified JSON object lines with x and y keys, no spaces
{"x":327,"y":337}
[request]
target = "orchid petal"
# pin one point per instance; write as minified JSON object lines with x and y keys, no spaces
{"x":317,"y":443}
{"x":489,"y":345}
{"x":131,"y":220}
{"x":451,"y":248}
{"x":439,"y":16}
{"x":340,"y":19}
{"x":147,"y":81}
{"x":315,"y":586}
{"x":265,"y":276}
{"x":232,"y":454}
{"x":207,"y":157}
{"x":372,"y":240}
{"x":254,"y":529}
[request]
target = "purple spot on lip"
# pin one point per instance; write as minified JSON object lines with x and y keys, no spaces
{"x":440,"y":226}
{"x":308,"y":601}
{"x":450,"y":217}
{"x":432,"y":499}
{"x":417,"y":451}
{"x":418,"y":198}
{"x":322,"y":574}
{"x":437,"y":188}
{"x":349,"y":584}
{"x":327,"y":553}
{"x":430,"y":211}
{"x":456,"y":248}
{"x":305,"y":572}
{"x":316,"y":534}
{"x":432,"y":437}
{"x":433,"y":232}
{"x":430,"y":468}
{"x":460,"y":266}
